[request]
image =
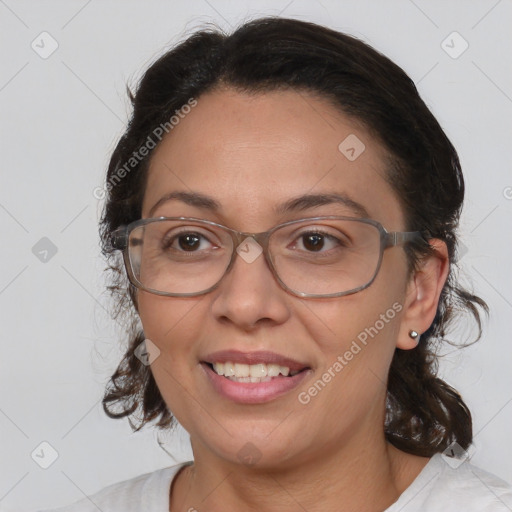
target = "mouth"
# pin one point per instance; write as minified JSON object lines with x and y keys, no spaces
{"x":261,"y":372}
{"x":253,"y":377}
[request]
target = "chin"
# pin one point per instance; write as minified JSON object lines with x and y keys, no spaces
{"x":253,"y":448}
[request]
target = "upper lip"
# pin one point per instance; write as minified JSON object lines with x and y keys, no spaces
{"x":236,"y":356}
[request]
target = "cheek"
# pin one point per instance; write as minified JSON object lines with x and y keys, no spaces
{"x":356,"y":337}
{"x":172,"y":324}
{"x":360,"y":317}
{"x":167,"y":319}
{"x":357,"y":334}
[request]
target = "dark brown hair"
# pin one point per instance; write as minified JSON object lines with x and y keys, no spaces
{"x":424,"y":415}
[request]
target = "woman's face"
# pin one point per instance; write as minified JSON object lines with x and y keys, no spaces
{"x":250,"y":154}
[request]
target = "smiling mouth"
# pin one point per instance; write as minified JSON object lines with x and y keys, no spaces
{"x":261,"y":372}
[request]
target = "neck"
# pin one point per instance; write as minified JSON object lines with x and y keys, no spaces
{"x":369,"y":475}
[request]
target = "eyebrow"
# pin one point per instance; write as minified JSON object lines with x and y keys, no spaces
{"x":294,"y":204}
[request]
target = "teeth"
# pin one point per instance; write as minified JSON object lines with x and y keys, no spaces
{"x":229,"y":369}
{"x":258,"y":370}
{"x":251,"y":373}
{"x":241,"y":370}
{"x":273,"y":370}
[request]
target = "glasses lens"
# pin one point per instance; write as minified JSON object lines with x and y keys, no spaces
{"x":179,"y":256}
{"x":327,"y":256}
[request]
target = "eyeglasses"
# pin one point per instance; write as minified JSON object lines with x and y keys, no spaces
{"x":316,"y":257}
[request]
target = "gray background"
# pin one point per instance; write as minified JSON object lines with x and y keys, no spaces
{"x":61,"y":116}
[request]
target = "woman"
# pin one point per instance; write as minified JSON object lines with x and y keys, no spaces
{"x":286,"y":207}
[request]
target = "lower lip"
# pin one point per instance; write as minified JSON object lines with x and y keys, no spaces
{"x":253,"y":392}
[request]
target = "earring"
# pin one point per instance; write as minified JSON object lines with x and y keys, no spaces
{"x":414,"y":335}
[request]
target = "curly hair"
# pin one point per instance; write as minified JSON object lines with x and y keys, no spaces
{"x":424,"y":414}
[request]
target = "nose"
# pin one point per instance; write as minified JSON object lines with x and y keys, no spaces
{"x":249,"y":295}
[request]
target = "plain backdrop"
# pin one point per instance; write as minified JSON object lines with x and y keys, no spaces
{"x":62,"y":114}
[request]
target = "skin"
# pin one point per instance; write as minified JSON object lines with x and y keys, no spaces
{"x":250,"y":153}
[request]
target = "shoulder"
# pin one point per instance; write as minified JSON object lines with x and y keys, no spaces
{"x":453,"y":485}
{"x":148,"y":492}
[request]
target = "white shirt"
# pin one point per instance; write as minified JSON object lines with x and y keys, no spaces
{"x":438,"y":488}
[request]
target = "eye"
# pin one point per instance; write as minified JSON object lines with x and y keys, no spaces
{"x":317,"y":241}
{"x":186,"y":241}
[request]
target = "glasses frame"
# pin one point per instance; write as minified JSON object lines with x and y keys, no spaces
{"x":119,"y":241}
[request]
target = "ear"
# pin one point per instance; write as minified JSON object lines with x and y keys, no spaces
{"x":422,"y":294}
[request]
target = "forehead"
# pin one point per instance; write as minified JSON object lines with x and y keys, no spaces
{"x":252,"y":152}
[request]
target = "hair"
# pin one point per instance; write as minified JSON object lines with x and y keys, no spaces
{"x":424,"y":415}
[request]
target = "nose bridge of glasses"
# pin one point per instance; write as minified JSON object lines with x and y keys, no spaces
{"x":248,"y":247}
{"x":240,"y":236}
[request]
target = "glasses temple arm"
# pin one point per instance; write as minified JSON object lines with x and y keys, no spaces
{"x":401,"y":237}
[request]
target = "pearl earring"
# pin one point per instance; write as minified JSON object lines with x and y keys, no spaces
{"x":414,"y":335}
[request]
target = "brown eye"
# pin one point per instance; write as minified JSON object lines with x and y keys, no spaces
{"x":189,"y":242}
{"x":313,"y":241}
{"x":317,"y":241}
{"x":185,"y":242}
